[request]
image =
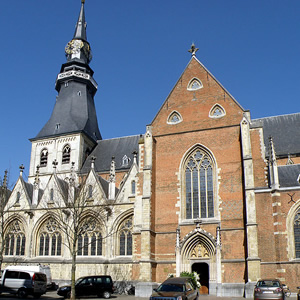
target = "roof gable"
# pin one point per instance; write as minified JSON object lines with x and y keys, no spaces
{"x":193,"y":97}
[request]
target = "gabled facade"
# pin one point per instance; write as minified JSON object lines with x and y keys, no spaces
{"x":205,"y":189}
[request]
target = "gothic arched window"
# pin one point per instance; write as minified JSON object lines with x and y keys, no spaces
{"x":174,"y":118}
{"x":44,"y":158}
{"x":125,"y":237}
{"x":217,"y":111}
{"x":199,"y":185}
{"x":66,"y":154}
{"x":90,"y":191}
{"x":50,"y":239}
{"x":195,"y":84}
{"x":18,"y":198}
{"x":89,"y":239}
{"x":15,"y":239}
{"x":133,"y":187}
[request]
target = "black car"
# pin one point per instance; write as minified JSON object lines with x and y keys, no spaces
{"x":175,"y":288}
{"x":101,"y":286}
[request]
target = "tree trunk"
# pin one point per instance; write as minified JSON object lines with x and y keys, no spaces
{"x":73,"y":272}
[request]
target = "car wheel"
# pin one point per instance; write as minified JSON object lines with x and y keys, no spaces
{"x":106,"y":295}
{"x":22,"y":294}
{"x":37,"y":296}
{"x":68,"y":296}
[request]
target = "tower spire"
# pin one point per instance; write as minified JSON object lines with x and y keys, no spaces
{"x":80,"y":30}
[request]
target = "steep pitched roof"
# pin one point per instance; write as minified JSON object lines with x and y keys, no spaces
{"x":284,"y":129}
{"x":117,"y":147}
{"x":288,"y":175}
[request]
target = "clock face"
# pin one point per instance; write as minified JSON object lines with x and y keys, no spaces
{"x":74,"y":46}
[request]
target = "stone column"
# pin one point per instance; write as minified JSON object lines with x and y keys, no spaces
{"x":253,"y":261}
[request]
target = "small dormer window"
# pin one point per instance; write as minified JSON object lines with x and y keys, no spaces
{"x":125,"y":161}
{"x":79,"y":93}
{"x":66,"y":154}
{"x":57,"y":126}
{"x":44,"y":158}
{"x":194,"y":84}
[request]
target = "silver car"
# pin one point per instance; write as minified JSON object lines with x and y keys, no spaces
{"x":269,"y":289}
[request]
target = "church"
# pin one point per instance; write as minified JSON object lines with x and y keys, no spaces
{"x":205,"y":188}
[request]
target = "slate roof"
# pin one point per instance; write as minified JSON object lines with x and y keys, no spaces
{"x":285,"y":131}
{"x":117,"y":147}
{"x":288,"y":175}
{"x":105,"y":186}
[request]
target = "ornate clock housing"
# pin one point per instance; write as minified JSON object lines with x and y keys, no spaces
{"x":74,"y":46}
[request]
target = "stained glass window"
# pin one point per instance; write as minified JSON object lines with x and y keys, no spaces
{"x":14,"y":240}
{"x":199,"y":194}
{"x":125,"y":237}
{"x":50,"y":239}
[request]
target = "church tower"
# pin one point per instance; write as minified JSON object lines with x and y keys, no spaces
{"x":72,"y":130}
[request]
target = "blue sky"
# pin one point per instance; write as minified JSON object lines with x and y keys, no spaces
{"x":139,"y":51}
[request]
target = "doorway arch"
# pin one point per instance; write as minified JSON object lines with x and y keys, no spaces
{"x":202,"y":269}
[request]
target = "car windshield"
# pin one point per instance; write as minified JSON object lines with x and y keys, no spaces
{"x":170,"y":288}
{"x":268,"y":283}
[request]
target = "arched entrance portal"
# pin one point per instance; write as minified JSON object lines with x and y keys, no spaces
{"x":202,"y":269}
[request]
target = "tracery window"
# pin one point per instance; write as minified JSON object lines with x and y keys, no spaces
{"x":195,"y":84}
{"x":15,"y":239}
{"x":217,"y":111}
{"x":50,"y":239}
{"x":89,"y":239}
{"x":125,"y":237}
{"x":66,"y":154}
{"x":174,"y":118}
{"x":199,"y":186}
{"x":44,"y":158}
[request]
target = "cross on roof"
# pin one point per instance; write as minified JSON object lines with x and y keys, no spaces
{"x":193,"y":50}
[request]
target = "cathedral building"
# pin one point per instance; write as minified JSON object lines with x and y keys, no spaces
{"x":205,"y":188}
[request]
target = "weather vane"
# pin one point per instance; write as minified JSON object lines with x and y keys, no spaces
{"x":82,"y":1}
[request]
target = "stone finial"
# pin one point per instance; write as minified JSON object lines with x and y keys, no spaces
{"x":135,"y":153}
{"x":193,"y":50}
{"x":112,"y":173}
{"x":197,"y":222}
{"x":93,"y":158}
{"x":72,"y":175}
{"x":21,"y":170}
{"x":37,"y":179}
{"x":5,"y":179}
{"x":54,"y":163}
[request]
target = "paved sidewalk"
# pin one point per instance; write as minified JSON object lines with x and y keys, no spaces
{"x":53,"y":295}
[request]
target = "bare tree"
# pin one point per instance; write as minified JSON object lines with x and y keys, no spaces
{"x":83,"y":209}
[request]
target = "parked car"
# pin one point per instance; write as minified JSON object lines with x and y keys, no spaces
{"x":23,"y":283}
{"x":177,"y":288}
{"x":269,"y":289}
{"x":101,"y":286}
{"x":298,"y":293}
{"x":37,"y":268}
